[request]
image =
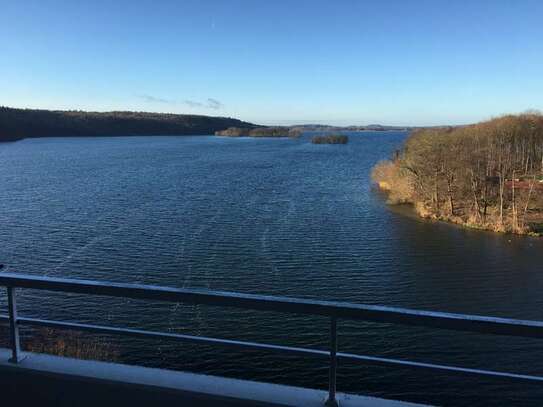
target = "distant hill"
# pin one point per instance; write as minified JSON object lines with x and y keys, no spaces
{"x":17,"y":124}
{"x":372,"y":127}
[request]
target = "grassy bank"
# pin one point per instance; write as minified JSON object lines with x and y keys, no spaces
{"x":72,"y":344}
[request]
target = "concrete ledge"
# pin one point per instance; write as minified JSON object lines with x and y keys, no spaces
{"x":59,"y":381}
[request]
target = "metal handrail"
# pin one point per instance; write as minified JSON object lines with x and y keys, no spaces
{"x":333,"y":310}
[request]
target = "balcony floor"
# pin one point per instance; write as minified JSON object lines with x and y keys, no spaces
{"x":57,"y":381}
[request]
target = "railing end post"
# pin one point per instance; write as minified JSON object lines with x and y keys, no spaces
{"x":14,"y":327}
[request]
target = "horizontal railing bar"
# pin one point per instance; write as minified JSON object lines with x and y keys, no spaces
{"x":306,"y":352}
{"x":432,"y":366}
{"x":374,"y":313}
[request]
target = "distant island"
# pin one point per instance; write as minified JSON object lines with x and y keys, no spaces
{"x":330,"y":139}
{"x":487,"y":176}
{"x":260,"y":131}
{"x":16,"y":124}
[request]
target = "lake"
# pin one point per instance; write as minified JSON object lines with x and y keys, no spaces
{"x":267,"y":216}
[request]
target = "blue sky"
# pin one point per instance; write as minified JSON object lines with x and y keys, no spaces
{"x":277,"y":62}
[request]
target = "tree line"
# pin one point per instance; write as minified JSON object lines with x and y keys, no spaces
{"x":22,"y":123}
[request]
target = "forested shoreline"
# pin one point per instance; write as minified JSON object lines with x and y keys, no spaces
{"x":488,"y":175}
{"x":16,"y":124}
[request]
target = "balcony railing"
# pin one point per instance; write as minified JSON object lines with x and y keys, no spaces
{"x":334,"y":310}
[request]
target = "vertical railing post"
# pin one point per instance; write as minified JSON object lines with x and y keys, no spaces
{"x":14,"y":327}
{"x":331,"y":401}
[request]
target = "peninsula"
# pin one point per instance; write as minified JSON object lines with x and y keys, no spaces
{"x":487,"y":176}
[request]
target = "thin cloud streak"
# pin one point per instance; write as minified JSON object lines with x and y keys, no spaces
{"x":214,"y":104}
{"x":210,"y":103}
{"x":193,"y":103}
{"x":154,"y":99}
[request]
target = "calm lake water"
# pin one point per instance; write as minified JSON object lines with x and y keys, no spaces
{"x":270,"y":216}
